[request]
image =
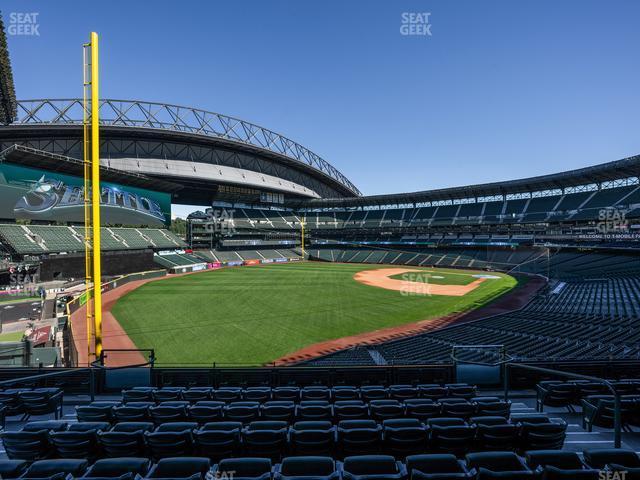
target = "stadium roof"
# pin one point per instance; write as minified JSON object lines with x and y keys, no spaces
{"x":597,"y":174}
{"x":34,"y":158}
{"x":168,"y":120}
{"x":8,"y":104}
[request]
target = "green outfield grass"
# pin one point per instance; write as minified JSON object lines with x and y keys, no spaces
{"x":258,"y":314}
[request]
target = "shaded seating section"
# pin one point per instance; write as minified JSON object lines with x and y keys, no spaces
{"x":592,"y":464}
{"x":275,"y":439}
{"x":37,"y":239}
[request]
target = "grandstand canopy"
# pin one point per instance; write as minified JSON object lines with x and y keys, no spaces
{"x":597,"y":174}
{"x":31,"y":157}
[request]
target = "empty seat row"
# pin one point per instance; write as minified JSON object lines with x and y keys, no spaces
{"x":27,"y":402}
{"x":549,"y":464}
{"x":566,"y":394}
{"x":275,"y":439}
{"x":205,"y":411}
{"x":263,"y":394}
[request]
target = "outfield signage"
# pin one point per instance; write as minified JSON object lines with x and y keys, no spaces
{"x":29,"y":193}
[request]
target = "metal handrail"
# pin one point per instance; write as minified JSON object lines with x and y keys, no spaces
{"x":617,"y":412}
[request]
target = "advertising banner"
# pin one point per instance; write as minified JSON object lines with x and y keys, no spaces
{"x":252,"y":262}
{"x":213,"y":265}
{"x":267,"y":260}
{"x":29,"y":193}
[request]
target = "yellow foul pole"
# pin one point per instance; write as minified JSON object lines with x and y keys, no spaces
{"x":95,"y":193}
{"x":304,"y":219}
{"x":86,"y":148}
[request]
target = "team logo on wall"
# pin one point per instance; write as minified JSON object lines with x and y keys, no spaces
{"x":42,"y":196}
{"x":49,"y":198}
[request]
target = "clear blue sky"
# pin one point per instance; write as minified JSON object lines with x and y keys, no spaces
{"x":500,"y":90}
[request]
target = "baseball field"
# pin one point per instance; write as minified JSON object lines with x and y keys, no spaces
{"x":254,"y":315}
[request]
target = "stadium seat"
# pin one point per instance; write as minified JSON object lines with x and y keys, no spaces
{"x":555,"y":394}
{"x":218,"y":440}
{"x":373,"y":392}
{"x":345,"y":392}
{"x":12,"y":468}
{"x":244,"y":412}
{"x":197,"y":394}
{"x":599,"y":458}
{"x":370,"y":467}
{"x":167,"y":394}
{"x":183,"y":467}
{"x":350,"y":410}
{"x":228,"y":394}
{"x":133,"y":427}
{"x":176,"y":427}
{"x":244,"y":469}
{"x":39,"y":402}
{"x":124,"y":442}
{"x":490,"y":406}
{"x":494,"y":465}
{"x":265,"y":439}
{"x":549,"y":435}
{"x":553,"y":464}
{"x":315,"y":393}
{"x":284,"y":410}
{"x":456,"y":439}
{"x":95,"y":413}
{"x":311,"y":410}
{"x":137,"y":395}
{"x":461,"y":390}
{"x":402,"y":392}
{"x":169,"y":444}
{"x":204,"y":413}
{"x":26,"y":445}
{"x":498,"y":436}
{"x":358,"y":437}
{"x":286,"y":393}
{"x":301,"y":468}
{"x":132,"y":412}
{"x":422,"y":408}
{"x":312,"y":438}
{"x":434,"y":392}
{"x":167,"y":413}
{"x":49,"y":425}
{"x":457,"y":407}
{"x":436,"y":467}
{"x":56,"y":468}
{"x":404,"y":436}
{"x":118,"y":467}
{"x":257,"y":394}
{"x":11,"y":402}
{"x":385,"y":409}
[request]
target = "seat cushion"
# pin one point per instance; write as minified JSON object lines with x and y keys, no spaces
{"x":370,"y":465}
{"x":554,"y":473}
{"x":245,"y":467}
{"x":112,"y":467}
{"x":180,"y":467}
{"x":12,"y":468}
{"x":307,"y":466}
{"x":45,"y":468}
